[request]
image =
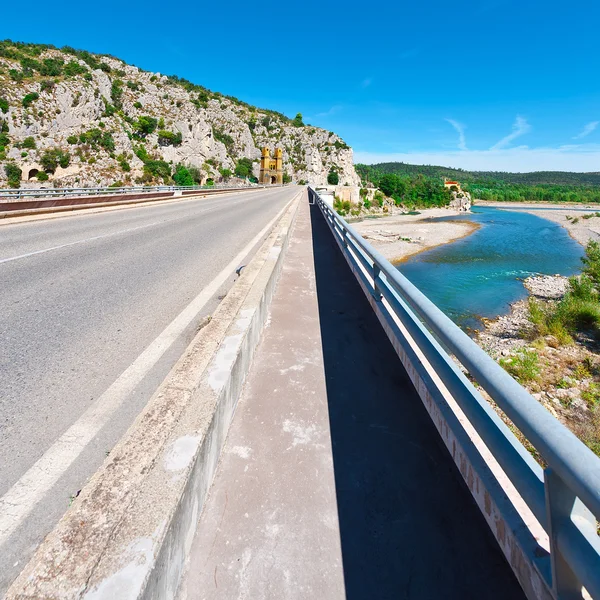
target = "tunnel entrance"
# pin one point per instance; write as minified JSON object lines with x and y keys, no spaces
{"x":32,"y":173}
{"x":273,"y":179}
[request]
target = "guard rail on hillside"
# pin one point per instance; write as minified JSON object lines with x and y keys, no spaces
{"x":20,"y":194}
{"x":565,"y":496}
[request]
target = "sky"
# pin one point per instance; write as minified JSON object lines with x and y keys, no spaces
{"x":478,"y":84}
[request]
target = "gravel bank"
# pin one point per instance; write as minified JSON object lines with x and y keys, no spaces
{"x":400,"y":236}
{"x":503,"y":335}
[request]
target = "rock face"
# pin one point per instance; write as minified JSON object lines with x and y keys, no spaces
{"x":205,"y":130}
{"x":461,"y":202}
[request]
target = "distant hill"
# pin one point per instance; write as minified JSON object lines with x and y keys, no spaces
{"x":560,"y":178}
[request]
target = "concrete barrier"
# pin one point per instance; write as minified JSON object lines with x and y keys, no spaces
{"x":129,"y":532}
{"x":54,"y":205}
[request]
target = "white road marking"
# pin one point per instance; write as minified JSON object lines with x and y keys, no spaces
{"x":30,"y":489}
{"x":96,"y":237}
{"x":90,"y":239}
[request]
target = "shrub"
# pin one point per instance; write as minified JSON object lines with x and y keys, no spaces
{"x":116,"y":184}
{"x":29,"y":143}
{"x":42,"y":176}
{"x":4,"y":105}
{"x":4,"y":140}
{"x":210,"y":182}
{"x":73,"y":68}
{"x":104,"y":67}
{"x":137,"y":105}
{"x":196,"y":174}
{"x":158,"y":168}
{"x":225,"y":173}
{"x":51,"y":159}
{"x":13,"y":174}
{"x":116,"y":93}
{"x":52,"y":67}
{"x":297,"y":122}
{"x":523,"y":365}
{"x":223,"y":137}
{"x":72,"y":139}
{"x":286,"y":178}
{"x":29,"y":99}
{"x":333,"y":178}
{"x":182,"y":176}
{"x":24,"y":155}
{"x":168,"y":138}
{"x":302,"y":182}
{"x":47,"y":85}
{"x":145,"y":125}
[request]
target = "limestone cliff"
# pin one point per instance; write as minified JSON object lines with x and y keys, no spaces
{"x":83,"y":119}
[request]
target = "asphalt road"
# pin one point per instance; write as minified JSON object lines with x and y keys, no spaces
{"x":82,"y":298}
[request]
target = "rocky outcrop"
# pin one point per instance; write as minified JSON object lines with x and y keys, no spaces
{"x":215,"y":131}
{"x":461,"y":201}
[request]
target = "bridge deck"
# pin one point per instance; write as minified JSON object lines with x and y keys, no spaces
{"x":333,"y":483}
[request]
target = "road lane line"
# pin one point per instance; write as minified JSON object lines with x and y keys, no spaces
{"x":91,"y":239}
{"x":98,"y":237}
{"x":30,"y":489}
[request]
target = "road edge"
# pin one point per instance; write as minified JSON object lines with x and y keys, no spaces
{"x":130,"y":530}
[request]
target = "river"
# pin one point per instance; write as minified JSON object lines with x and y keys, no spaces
{"x":481,"y":274}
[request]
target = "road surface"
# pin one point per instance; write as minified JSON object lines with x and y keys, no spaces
{"x":95,"y":310}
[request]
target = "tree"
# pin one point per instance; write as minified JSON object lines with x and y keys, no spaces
{"x":286,"y":178}
{"x":333,"y":178}
{"x":225,"y":173}
{"x":183,"y":176}
{"x":297,"y":122}
{"x":51,"y":159}
{"x":243,"y":168}
{"x":13,"y":174}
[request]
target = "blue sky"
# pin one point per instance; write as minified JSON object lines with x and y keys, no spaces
{"x":481,"y":84}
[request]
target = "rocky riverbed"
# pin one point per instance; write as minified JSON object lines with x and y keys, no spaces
{"x":563,"y":378}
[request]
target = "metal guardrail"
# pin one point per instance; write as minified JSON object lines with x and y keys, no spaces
{"x":20,"y":194}
{"x":565,"y":496}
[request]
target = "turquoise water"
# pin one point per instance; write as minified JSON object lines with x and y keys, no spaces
{"x":481,"y":275}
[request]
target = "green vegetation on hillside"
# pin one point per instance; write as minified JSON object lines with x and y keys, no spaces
{"x":547,"y":186}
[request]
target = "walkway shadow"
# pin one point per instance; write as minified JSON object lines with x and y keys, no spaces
{"x":409,"y":527}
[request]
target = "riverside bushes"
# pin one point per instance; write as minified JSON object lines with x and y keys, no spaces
{"x":579,"y":310}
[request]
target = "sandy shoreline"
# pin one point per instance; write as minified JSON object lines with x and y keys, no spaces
{"x":580,"y":229}
{"x":399,"y":236}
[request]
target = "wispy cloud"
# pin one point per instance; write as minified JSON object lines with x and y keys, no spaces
{"x":332,"y":111}
{"x":587,"y":130}
{"x":520,"y":127}
{"x":460,"y":129}
{"x":366,"y":82}
{"x":574,"y":157}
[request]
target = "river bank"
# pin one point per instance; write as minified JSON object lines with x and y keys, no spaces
{"x":401,"y":235}
{"x":564,"y":378}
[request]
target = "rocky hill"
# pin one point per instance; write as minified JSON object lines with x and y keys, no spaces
{"x":72,"y":118}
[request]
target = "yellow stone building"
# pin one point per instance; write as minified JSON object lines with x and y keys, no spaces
{"x":271,"y":169}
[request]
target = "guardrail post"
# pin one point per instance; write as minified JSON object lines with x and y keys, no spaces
{"x":376,"y":293}
{"x":561,"y":506}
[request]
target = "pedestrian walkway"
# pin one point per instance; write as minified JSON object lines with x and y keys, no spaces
{"x":333,"y":483}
